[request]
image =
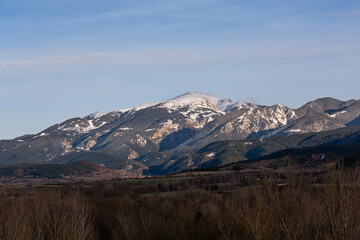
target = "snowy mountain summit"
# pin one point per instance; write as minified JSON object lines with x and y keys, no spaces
{"x":196,"y":99}
{"x":190,"y":99}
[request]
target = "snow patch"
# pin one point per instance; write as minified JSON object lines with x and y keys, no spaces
{"x":95,"y":115}
{"x":92,"y":127}
{"x":146,"y":105}
{"x":134,"y":109}
{"x":168,"y":122}
{"x":194,"y":116}
{"x":335,"y":114}
{"x":125,"y":129}
{"x":150,"y":129}
{"x":294,"y":130}
{"x":82,"y":148}
{"x":238,"y":105}
{"x":79,"y":129}
{"x":210,"y":119}
{"x":123,"y":110}
{"x":210,"y":154}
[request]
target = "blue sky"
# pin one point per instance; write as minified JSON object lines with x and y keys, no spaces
{"x":66,"y":58}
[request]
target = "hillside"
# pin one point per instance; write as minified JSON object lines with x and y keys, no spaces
{"x":225,"y":152}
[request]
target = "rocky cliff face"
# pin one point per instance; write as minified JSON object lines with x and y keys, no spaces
{"x":156,"y":133}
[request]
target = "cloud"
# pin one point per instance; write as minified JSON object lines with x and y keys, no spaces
{"x":59,"y":60}
{"x":257,"y":52}
{"x":146,"y":9}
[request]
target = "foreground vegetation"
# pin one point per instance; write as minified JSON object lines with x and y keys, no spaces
{"x":290,"y":205}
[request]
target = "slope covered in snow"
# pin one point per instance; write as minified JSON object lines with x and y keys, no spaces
{"x":194,"y":99}
{"x":197,"y":99}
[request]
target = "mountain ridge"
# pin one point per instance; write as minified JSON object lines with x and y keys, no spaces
{"x":159,"y":133}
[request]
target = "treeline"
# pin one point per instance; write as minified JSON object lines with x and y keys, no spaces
{"x":44,"y":170}
{"x":298,"y":208}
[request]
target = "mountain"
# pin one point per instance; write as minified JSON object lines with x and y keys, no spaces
{"x":160,"y":133}
{"x":229,"y":151}
{"x":312,"y":160}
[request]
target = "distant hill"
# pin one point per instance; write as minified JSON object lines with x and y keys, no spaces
{"x":48,"y":170}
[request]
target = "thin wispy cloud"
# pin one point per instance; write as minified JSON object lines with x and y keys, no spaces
{"x":266,"y":51}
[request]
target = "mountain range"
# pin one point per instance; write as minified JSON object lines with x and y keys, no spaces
{"x":161,"y":135}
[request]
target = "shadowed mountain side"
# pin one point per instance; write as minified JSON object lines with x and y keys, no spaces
{"x":225,"y":152}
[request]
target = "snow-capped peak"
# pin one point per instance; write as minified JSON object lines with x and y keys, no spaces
{"x":197,"y":99}
{"x":194,"y":99}
{"x":95,"y":115}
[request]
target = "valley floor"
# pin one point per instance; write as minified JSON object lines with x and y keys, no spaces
{"x":260,"y":201}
